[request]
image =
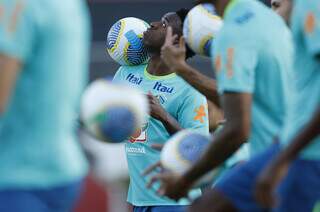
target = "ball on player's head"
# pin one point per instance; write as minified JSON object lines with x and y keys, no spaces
{"x":124,"y":41}
{"x":200,"y":27}
{"x":183,"y":150}
{"x":112,"y":112}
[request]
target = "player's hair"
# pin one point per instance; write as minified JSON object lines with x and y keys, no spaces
{"x":182,"y":13}
{"x":203,"y":1}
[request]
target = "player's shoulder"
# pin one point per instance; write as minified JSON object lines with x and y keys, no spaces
{"x":248,"y":14}
{"x":248,"y":20}
{"x":242,"y":13}
{"x":15,"y":8}
{"x":186,"y":89}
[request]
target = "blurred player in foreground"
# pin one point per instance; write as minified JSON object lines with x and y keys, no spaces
{"x":297,"y":166}
{"x":43,"y":69}
{"x":253,"y":82}
{"x":175,"y":105}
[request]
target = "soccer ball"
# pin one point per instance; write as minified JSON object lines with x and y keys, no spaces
{"x":200,"y":27}
{"x":112,"y":112}
{"x":124,"y":41}
{"x":183,"y":150}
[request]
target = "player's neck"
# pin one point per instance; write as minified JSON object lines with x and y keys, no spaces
{"x":221,"y":6}
{"x":157,"y":67}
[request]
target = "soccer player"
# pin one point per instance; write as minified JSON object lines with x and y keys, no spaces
{"x":283,"y":8}
{"x":300,"y":158}
{"x":174,"y":104}
{"x":253,"y":76}
{"x":44,"y":50}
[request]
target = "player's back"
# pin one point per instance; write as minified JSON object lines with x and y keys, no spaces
{"x":306,"y":98}
{"x":51,"y":39}
{"x":258,"y":51}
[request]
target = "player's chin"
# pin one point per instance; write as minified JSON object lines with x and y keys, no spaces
{"x":150,"y":47}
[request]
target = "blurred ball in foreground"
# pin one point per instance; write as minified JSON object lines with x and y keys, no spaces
{"x":124,"y":41}
{"x":112,"y":112}
{"x":183,"y":150}
{"x":200,"y":27}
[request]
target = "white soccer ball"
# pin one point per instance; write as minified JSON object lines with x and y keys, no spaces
{"x":112,"y":112}
{"x":200,"y":27}
{"x":183,"y":150}
{"x":124,"y":41}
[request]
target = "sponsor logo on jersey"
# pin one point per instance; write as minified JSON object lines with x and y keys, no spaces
{"x":133,"y":79}
{"x":136,"y":150}
{"x":162,"y":88}
{"x":140,"y":136}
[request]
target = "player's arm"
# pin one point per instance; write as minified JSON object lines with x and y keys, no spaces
{"x":237,"y":110}
{"x":9,"y":71}
{"x":236,"y":85}
{"x":199,"y":81}
{"x":174,"y":57}
{"x":158,"y":112}
{"x":303,"y":139}
{"x":13,"y":46}
{"x":236,"y":75}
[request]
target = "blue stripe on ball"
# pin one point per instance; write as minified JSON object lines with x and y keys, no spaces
{"x":136,"y":53}
{"x":207,"y":48}
{"x":118,"y":124}
{"x":113,"y":36}
{"x":134,"y":40}
{"x":192,"y":147}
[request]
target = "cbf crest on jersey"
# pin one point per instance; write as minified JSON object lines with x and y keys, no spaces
{"x":140,"y":135}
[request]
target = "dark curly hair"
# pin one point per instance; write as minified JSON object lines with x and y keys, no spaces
{"x":182,"y":13}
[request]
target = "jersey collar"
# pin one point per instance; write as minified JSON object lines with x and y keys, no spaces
{"x":153,"y":77}
{"x":229,"y":7}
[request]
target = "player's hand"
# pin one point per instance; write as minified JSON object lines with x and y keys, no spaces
{"x":156,"y":110}
{"x":152,"y":168}
{"x":173,"y":55}
{"x":171,"y":185}
{"x":268,"y":181}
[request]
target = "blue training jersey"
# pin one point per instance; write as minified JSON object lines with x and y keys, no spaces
{"x":38,"y":147}
{"x":182,"y":102}
{"x":253,"y":54}
{"x":305,"y":25}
